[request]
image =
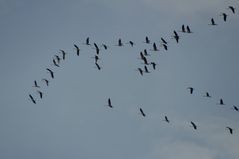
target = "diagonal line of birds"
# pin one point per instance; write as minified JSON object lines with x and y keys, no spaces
{"x":148,"y":66}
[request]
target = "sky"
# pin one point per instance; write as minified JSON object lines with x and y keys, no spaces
{"x":73,"y":121}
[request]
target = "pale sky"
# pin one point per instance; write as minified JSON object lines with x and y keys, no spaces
{"x":72,"y":121}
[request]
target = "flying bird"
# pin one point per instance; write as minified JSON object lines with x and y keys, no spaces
{"x":153,"y":64}
{"x":120,"y":42}
{"x":46,"y":81}
{"x":207,"y":95}
{"x":54,"y":62}
{"x":155,"y":47}
{"x":77,"y":50}
{"x":183,"y":29}
{"x":87,"y":41}
{"x":36,"y":85}
{"x":40,"y":94}
{"x":146,"y":69}
{"x":145,"y":60}
{"x":140,"y":71}
{"x":32,"y":99}
{"x":97,"y":48}
{"x":109,"y":103}
{"x":147,"y":41}
{"x":232,"y":9}
{"x":51,"y":72}
{"x":145,"y":53}
{"x":194,"y":125}
{"x":235,"y":108}
{"x":224,"y":16}
{"x":142,"y":112}
{"x":176,"y":37}
{"x":166,"y":119}
{"x":212,"y":22}
{"x":188,"y":29}
{"x":221,"y":102}
{"x":58,"y":59}
{"x":164,"y":41}
{"x":98,"y":66}
{"x":63,"y":54}
{"x":165,"y":47}
{"x":96,"y":58}
{"x":230,"y":129}
{"x":131,"y":43}
{"x":105,"y":46}
{"x":191,"y":89}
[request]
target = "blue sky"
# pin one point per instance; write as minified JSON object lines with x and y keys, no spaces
{"x":72,"y":121}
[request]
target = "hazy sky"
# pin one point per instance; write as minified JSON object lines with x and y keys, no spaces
{"x":72,"y":121}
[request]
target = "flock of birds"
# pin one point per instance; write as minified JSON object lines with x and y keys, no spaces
{"x":143,"y":56}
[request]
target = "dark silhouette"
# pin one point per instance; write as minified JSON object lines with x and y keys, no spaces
{"x":77,"y":50}
{"x":109,"y":103}
{"x":153,"y":64}
{"x":142,"y":112}
{"x":232,"y":9}
{"x":32,"y":99}
{"x":191,"y":89}
{"x":212,"y":22}
{"x":40,"y":93}
{"x":194,"y":125}
{"x":98,"y":66}
{"x":36,"y":85}
{"x":46,"y":81}
{"x":230,"y":129}
{"x":51,"y":72}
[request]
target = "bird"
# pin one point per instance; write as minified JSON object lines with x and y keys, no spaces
{"x":77,"y":50}
{"x":36,"y":85}
{"x":207,"y":95}
{"x":97,"y":48}
{"x":224,"y":16}
{"x":140,"y":71}
{"x":58,"y":59}
{"x":142,"y":55}
{"x":96,"y":58}
{"x":230,"y":129}
{"x":63,"y":54}
{"x":153,"y":64}
{"x":98,"y":66}
{"x":235,"y":108}
{"x":212,"y":22}
{"x":109,"y":103}
{"x":183,"y":29}
{"x":155,"y":47}
{"x":105,"y":46}
{"x":51,"y":72}
{"x":145,"y":53}
{"x":32,"y":99}
{"x":188,"y":29}
{"x":221,"y":102}
{"x":46,"y":81}
{"x":176,"y":37}
{"x":191,"y":89}
{"x":164,"y":41}
{"x":131,"y":43}
{"x":166,"y":119}
{"x":194,"y":125}
{"x":146,"y":69}
{"x":147,"y":41}
{"x":142,"y":112}
{"x":40,"y":93}
{"x":165,"y":47}
{"x":232,"y":9}
{"x":87,"y":41}
{"x":120,"y":42}
{"x":145,"y":60}
{"x":54,"y":62}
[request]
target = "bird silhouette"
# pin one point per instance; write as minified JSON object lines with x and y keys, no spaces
{"x":191,"y":89}
{"x":145,"y":60}
{"x":221,"y":102}
{"x":146,"y":69}
{"x":58,"y":59}
{"x":96,"y":58}
{"x":153,"y":64}
{"x":176,"y":37}
{"x":120,"y":43}
{"x":183,"y":29}
{"x":142,"y":112}
{"x":165,"y":47}
{"x":87,"y":41}
{"x":166,"y":119}
{"x":232,"y":9}
{"x":40,"y":94}
{"x":54,"y":62}
{"x":212,"y":22}
{"x":32,"y":99}
{"x":145,"y":53}
{"x":46,"y":81}
{"x":131,"y":43}
{"x":164,"y":41}
{"x":36,"y":85}
{"x":207,"y":95}
{"x":140,"y":71}
{"x":147,"y":41}
{"x":155,"y":47}
{"x":188,"y":29}
{"x":97,"y":48}
{"x":77,"y":50}
{"x":51,"y":72}
{"x":105,"y":46}
{"x":224,"y":15}
{"x":109,"y":103}
{"x":230,"y":129}
{"x":98,"y":66}
{"x":194,"y":125}
{"x":63,"y":54}
{"x":235,"y":108}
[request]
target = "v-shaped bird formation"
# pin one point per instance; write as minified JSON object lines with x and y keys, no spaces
{"x":148,"y":65}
